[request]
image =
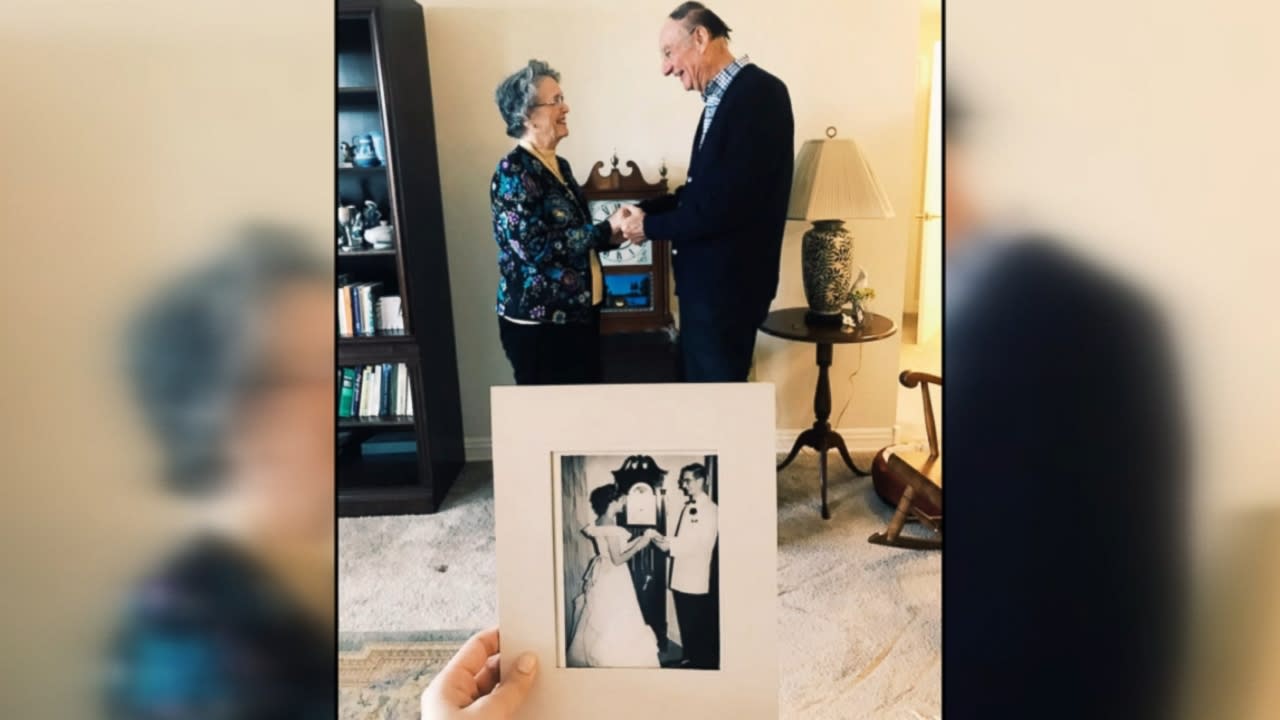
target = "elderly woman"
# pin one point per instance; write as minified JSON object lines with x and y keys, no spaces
{"x":551,"y":286}
{"x":233,"y":370}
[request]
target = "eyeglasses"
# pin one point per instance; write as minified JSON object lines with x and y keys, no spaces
{"x":557,"y":100}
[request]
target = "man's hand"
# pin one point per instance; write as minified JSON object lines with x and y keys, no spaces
{"x":617,"y":221}
{"x":470,"y":683}
{"x":633,"y":224}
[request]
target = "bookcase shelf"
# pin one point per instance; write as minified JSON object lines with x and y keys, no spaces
{"x":361,"y":95}
{"x":391,"y":421}
{"x":384,"y":86}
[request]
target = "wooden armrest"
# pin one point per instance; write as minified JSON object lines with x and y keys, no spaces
{"x":911,"y":378}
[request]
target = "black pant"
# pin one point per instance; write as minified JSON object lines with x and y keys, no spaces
{"x":717,"y":342}
{"x":549,"y":354}
{"x":699,"y":633}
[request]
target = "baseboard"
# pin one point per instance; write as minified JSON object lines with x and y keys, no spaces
{"x":856,"y":439}
{"x":480,"y":449}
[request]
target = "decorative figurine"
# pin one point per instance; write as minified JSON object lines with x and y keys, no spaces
{"x":380,"y":236}
{"x":365,"y":155}
{"x":859,"y":295}
{"x":379,"y":146}
{"x":371,"y":215}
{"x":344,"y":222}
{"x":357,"y":230}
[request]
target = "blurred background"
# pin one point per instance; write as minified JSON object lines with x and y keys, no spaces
{"x":139,"y":135}
{"x":1142,"y":137}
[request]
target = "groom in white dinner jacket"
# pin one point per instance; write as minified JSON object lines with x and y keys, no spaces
{"x":691,"y":546}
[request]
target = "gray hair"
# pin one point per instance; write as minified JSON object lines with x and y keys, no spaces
{"x":695,"y":14}
{"x":517,"y":94}
{"x":194,"y":350}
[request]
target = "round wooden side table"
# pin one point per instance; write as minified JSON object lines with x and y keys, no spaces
{"x":789,"y":324}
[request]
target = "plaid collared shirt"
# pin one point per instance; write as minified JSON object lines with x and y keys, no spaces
{"x":715,"y":91}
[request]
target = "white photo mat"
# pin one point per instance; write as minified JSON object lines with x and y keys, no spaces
{"x":532,"y":427}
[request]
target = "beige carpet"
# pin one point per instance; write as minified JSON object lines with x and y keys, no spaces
{"x":859,"y":624}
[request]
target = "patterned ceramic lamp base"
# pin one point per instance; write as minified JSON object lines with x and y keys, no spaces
{"x":827,"y":258}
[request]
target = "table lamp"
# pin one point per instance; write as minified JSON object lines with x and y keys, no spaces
{"x":833,"y":181}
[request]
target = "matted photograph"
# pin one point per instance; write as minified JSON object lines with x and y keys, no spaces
{"x":638,"y":560}
{"x":637,"y":547}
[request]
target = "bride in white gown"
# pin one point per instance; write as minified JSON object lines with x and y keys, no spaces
{"x":608,"y":628}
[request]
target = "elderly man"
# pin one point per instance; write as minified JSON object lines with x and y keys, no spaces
{"x":1071,"y":577}
{"x":725,"y":224}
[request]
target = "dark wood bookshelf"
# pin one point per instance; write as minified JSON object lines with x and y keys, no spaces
{"x":384,"y":86}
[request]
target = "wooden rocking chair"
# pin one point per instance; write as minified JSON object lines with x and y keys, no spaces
{"x":921,"y":477}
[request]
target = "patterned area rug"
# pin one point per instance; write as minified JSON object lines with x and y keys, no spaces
{"x":382,"y":675}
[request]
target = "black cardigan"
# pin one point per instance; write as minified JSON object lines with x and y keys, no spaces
{"x":726,"y":222}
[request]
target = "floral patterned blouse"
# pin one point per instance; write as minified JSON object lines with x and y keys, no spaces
{"x":213,"y":635}
{"x":545,"y":237}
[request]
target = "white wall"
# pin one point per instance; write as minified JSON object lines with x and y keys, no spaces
{"x":849,"y":64}
{"x":930,"y":33}
{"x":137,"y":134}
{"x":1162,"y":150}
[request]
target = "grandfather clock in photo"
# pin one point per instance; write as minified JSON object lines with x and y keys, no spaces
{"x":640,"y":479}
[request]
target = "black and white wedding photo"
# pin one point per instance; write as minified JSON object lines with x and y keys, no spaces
{"x":638,"y":560}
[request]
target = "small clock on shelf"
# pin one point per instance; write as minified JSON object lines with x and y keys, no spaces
{"x":635,"y":275}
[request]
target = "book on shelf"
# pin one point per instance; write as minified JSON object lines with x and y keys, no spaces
{"x":390,"y":316}
{"x":384,"y":389}
{"x":408,"y":401}
{"x":372,"y":396}
{"x":358,"y":309}
{"x":375,"y":391}
{"x":346,"y":315}
{"x":347,"y":393}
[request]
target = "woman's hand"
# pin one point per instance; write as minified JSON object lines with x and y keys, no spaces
{"x":616,"y":221}
{"x":470,"y":683}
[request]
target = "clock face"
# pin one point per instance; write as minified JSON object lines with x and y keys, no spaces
{"x":629,"y":254}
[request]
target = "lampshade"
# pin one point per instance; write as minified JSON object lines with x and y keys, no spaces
{"x":834,"y":181}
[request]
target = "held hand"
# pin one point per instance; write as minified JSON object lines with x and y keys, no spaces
{"x":615,"y":224}
{"x":469,"y":686}
{"x":633,"y":224}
